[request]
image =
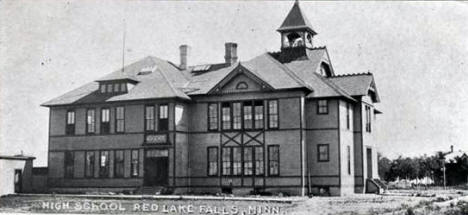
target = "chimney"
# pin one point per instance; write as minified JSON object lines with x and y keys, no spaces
{"x":184,"y":51}
{"x":451,"y":148}
{"x":231,"y":53}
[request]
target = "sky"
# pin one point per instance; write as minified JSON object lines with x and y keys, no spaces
{"x":417,"y":51}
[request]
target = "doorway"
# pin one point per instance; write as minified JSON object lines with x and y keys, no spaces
{"x":369,"y":163}
{"x":18,"y":180}
{"x":156,"y":168}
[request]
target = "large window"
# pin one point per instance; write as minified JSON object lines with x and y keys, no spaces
{"x":273,"y":113}
{"x":258,"y":160}
{"x":213,"y":116}
{"x":69,"y":164}
{"x":226,"y":116}
{"x":236,"y":161}
{"x":90,"y":121}
{"x":348,"y":158}
{"x":70,"y":127}
{"x":149,"y":118}
{"x":119,"y":164}
{"x":368,"y":118}
{"x":134,"y":164}
{"x":212,"y":161}
{"x":323,"y":152}
{"x":119,"y":119}
{"x":248,"y":161}
{"x":236,"y":116}
{"x":248,"y":122}
{"x":105,"y":120}
{"x":322,"y":106}
{"x":226,"y":155}
{"x":258,"y":114}
{"x":89,"y":164}
{"x":104,"y":164}
{"x":273,"y":160}
{"x":163,"y":117}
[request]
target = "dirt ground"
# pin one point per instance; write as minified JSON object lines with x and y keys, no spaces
{"x":430,"y":201}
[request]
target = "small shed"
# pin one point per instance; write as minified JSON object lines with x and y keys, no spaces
{"x":15,"y":174}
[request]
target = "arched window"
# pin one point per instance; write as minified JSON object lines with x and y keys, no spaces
{"x":325,"y":70}
{"x":242,"y":86}
{"x":295,"y":39}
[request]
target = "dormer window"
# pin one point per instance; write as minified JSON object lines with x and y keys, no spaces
{"x":325,"y":70}
{"x":117,"y":86}
{"x":147,"y":70}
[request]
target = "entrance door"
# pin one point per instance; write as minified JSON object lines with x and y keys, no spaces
{"x":369,"y":162}
{"x":156,"y":167}
{"x":18,"y":180}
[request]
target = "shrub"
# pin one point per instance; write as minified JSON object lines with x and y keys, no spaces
{"x":409,"y":211}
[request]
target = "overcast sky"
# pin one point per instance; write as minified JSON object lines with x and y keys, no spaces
{"x":418,"y":52}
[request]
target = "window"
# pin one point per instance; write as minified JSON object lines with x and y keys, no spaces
{"x":163,"y":117}
{"x":70,"y":127}
{"x":248,"y":122}
{"x":258,"y":114}
{"x":119,"y":164}
{"x":226,"y":116}
{"x":322,"y":107}
{"x":149,"y":118}
{"x":90,"y":121}
{"x":213,"y":116}
{"x":116,"y":88}
{"x":105,"y":120}
{"x":212,"y":161}
{"x":109,"y":88}
{"x":258,"y":161}
{"x":236,"y":116}
{"x":273,"y":114}
{"x":69,"y":163}
{"x":368,"y":118}
{"x":104,"y":164}
{"x":134,"y":164}
{"x":89,"y":164}
{"x":120,"y":119}
{"x":348,"y":158}
{"x":248,"y":161}
{"x":348,"y":116}
{"x":236,"y":161}
{"x":123,"y":87}
{"x":323,"y":153}
{"x":103,"y":88}
{"x":226,"y":161}
{"x":242,"y":86}
{"x":273,"y":160}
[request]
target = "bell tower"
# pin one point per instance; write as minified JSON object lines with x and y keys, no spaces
{"x":296,"y":31}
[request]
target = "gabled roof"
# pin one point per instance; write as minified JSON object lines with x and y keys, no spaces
{"x":296,"y":20}
{"x":357,"y":84}
{"x":164,"y":81}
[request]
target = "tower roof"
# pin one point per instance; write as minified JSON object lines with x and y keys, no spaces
{"x":296,"y":20}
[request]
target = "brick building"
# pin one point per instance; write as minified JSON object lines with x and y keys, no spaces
{"x":280,"y":122}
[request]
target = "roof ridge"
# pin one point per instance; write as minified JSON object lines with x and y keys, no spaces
{"x":173,"y":88}
{"x":351,"y":74}
{"x":289,"y":72}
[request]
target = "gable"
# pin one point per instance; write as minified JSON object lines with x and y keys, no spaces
{"x":241,"y":83}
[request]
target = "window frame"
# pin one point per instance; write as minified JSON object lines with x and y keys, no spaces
{"x":254,"y":112}
{"x":117,"y":120}
{"x":270,"y":114}
{"x":93,"y":121}
{"x":105,"y":126}
{"x":86,"y":166}
{"x":348,"y":158}
{"x":163,"y":120}
{"x":236,"y":116}
{"x":70,"y":127}
{"x":229,"y":149}
{"x":152,"y":120}
{"x":69,"y":161}
{"x":215,"y":117}
{"x":132,"y":158}
{"x":208,"y":162}
{"x":348,"y":116}
{"x":319,"y":106}
{"x":122,"y":163}
{"x":327,"y":146}
{"x":107,"y":164}
{"x":270,"y":159}
{"x":229,"y":122}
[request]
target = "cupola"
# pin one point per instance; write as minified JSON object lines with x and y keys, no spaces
{"x":296,"y":31}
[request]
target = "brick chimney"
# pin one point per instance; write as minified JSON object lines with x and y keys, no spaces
{"x":231,"y":53}
{"x":184,"y":51}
